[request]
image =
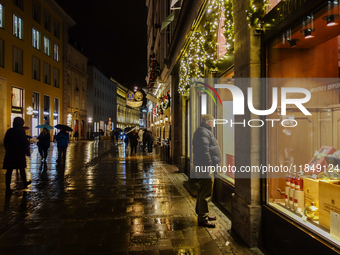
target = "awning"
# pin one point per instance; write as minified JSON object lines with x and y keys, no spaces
{"x":167,"y":21}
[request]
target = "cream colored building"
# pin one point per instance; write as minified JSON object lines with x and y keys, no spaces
{"x":75,"y":89}
{"x":126,"y":115}
{"x":33,"y":34}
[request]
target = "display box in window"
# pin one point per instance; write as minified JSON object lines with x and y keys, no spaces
{"x":311,"y":189}
{"x":329,"y":200}
{"x":318,"y":161}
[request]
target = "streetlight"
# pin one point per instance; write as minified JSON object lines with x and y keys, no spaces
{"x":69,"y":119}
{"x":89,"y":121}
{"x":29,"y":114}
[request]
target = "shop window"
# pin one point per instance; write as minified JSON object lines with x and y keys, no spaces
{"x":56,"y":78}
{"x":306,"y":184}
{"x":36,"y":68}
{"x":17,"y":103}
{"x":18,"y":26}
{"x":46,"y":45}
{"x":46,"y":110}
{"x":47,"y":73}
{"x":36,"y":38}
{"x":55,"y":111}
{"x":36,"y":12}
{"x":17,"y":60}
{"x":47,"y":21}
{"x":35,"y":115}
{"x":56,"y":51}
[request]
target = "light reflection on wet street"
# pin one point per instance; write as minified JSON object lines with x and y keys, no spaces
{"x":111,"y":204}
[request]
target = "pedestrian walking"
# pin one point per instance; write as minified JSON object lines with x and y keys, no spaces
{"x":149,"y":139}
{"x":206,"y":153}
{"x":134,"y":142}
{"x":126,"y":141}
{"x":140,"y":139}
{"x":62,"y":142}
{"x":17,"y":148}
{"x":76,"y":135}
{"x":44,"y":143}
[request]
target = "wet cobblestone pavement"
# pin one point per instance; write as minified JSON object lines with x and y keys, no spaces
{"x":103,"y":202}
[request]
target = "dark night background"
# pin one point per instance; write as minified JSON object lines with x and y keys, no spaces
{"x":113,"y":35}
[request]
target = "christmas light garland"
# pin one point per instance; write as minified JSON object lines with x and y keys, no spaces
{"x":202,"y":50}
{"x":255,"y":13}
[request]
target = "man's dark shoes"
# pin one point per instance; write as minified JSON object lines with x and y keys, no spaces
{"x":206,"y":224}
{"x":211,"y":218}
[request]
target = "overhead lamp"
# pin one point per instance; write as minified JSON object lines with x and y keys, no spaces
{"x":292,"y":42}
{"x":308,"y":32}
{"x":166,"y":118}
{"x":29,"y":110}
{"x":331,"y":19}
{"x":161,"y":121}
{"x":151,"y":125}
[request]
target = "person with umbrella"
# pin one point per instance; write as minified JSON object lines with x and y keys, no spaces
{"x":62,"y":141}
{"x":17,"y":148}
{"x":44,"y":143}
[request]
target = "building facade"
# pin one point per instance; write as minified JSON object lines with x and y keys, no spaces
{"x":289,"y":41}
{"x":75,"y":89}
{"x":33,"y":35}
{"x":102,"y":103}
{"x":126,"y":115}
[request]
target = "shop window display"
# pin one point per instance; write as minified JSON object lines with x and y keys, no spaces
{"x":306,"y":56}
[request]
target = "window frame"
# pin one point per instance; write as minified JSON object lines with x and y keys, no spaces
{"x":36,"y":14}
{"x":16,"y":33}
{"x":47,"y":20}
{"x":2,"y":15}
{"x":20,"y":59}
{"x":2,"y":51}
{"x":19,"y":4}
{"x":56,"y":28}
{"x":56,"y":51}
{"x":48,"y":52}
{"x":48,"y":79}
{"x":37,"y":77}
{"x":36,"y":32}
{"x":56,"y":74}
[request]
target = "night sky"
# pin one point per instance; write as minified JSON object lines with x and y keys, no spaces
{"x":113,"y":35}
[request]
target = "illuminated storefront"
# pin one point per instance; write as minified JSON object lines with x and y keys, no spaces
{"x":302,"y":50}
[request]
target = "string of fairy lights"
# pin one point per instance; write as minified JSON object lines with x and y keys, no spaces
{"x":203,"y":45}
{"x":202,"y":49}
{"x":255,"y":12}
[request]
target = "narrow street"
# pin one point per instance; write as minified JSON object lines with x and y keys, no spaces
{"x":106,"y":203}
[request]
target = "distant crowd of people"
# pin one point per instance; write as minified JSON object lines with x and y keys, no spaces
{"x":142,"y":138}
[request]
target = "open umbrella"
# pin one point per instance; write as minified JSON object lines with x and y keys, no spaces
{"x":48,"y":127}
{"x":64,"y":127}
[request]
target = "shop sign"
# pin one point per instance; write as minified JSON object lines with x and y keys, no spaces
{"x":130,"y":96}
{"x":283,"y":10}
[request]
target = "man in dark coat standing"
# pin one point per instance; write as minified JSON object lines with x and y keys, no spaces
{"x":17,"y":147}
{"x":44,"y":143}
{"x":206,"y":153}
{"x":134,"y":142}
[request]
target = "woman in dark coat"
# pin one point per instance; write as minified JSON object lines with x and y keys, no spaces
{"x":17,"y":147}
{"x":44,"y":143}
